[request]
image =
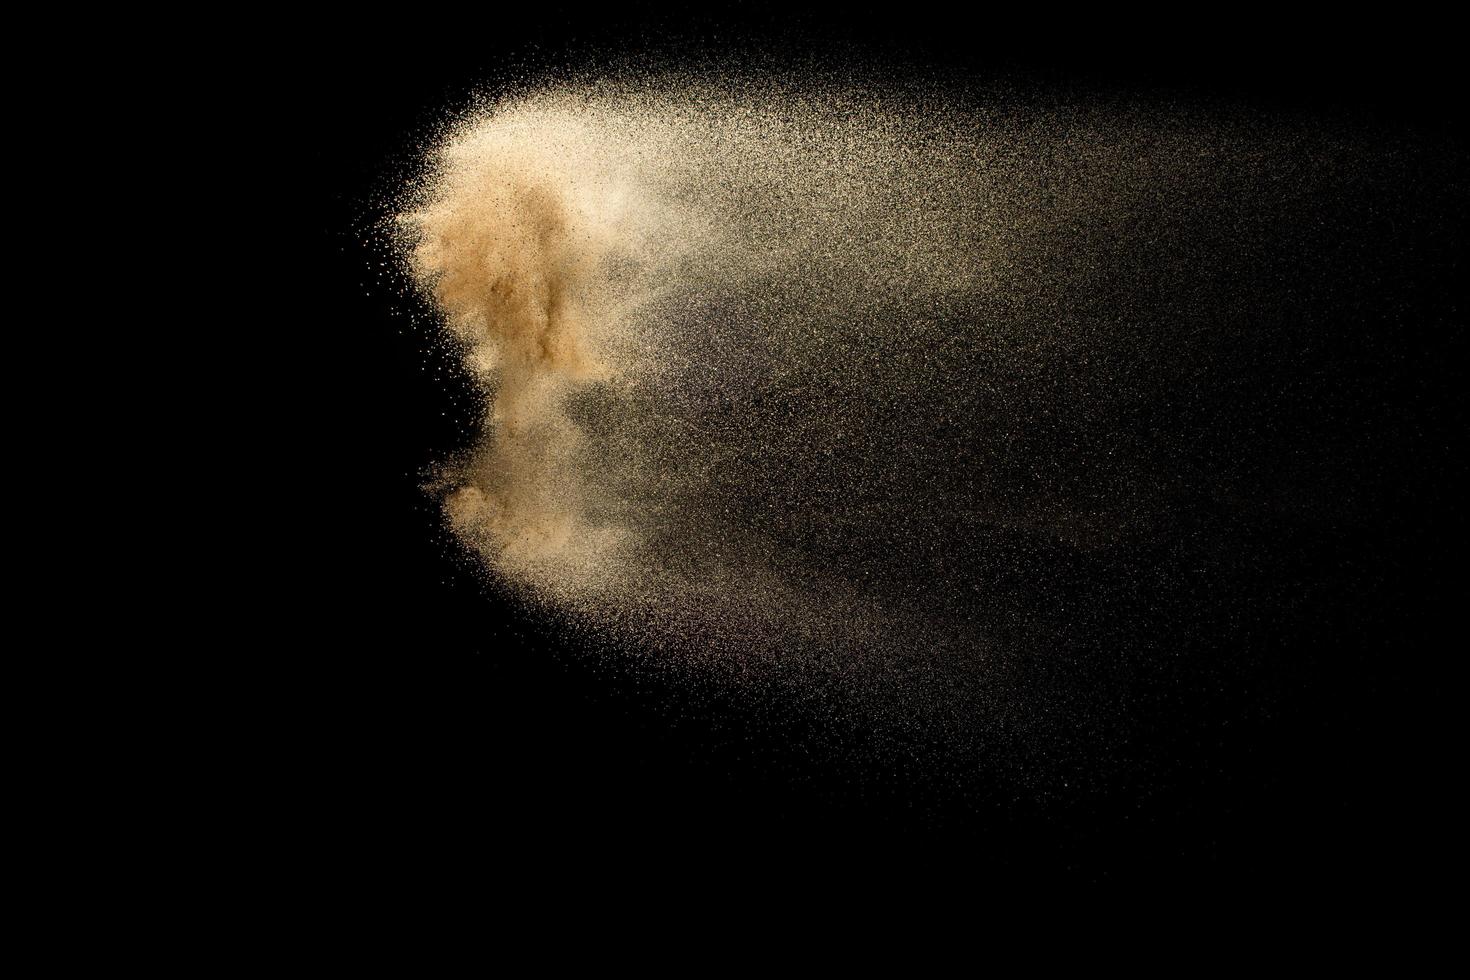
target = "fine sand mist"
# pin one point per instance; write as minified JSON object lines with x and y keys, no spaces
{"x":856,"y":393}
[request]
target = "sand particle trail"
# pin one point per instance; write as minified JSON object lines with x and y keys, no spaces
{"x":828,"y":385}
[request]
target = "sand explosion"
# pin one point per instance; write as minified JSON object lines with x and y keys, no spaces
{"x":846,"y":387}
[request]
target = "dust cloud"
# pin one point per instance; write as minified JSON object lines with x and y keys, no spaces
{"x":852,"y":390}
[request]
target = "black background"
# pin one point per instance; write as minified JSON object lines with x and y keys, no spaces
{"x":450,"y":740}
